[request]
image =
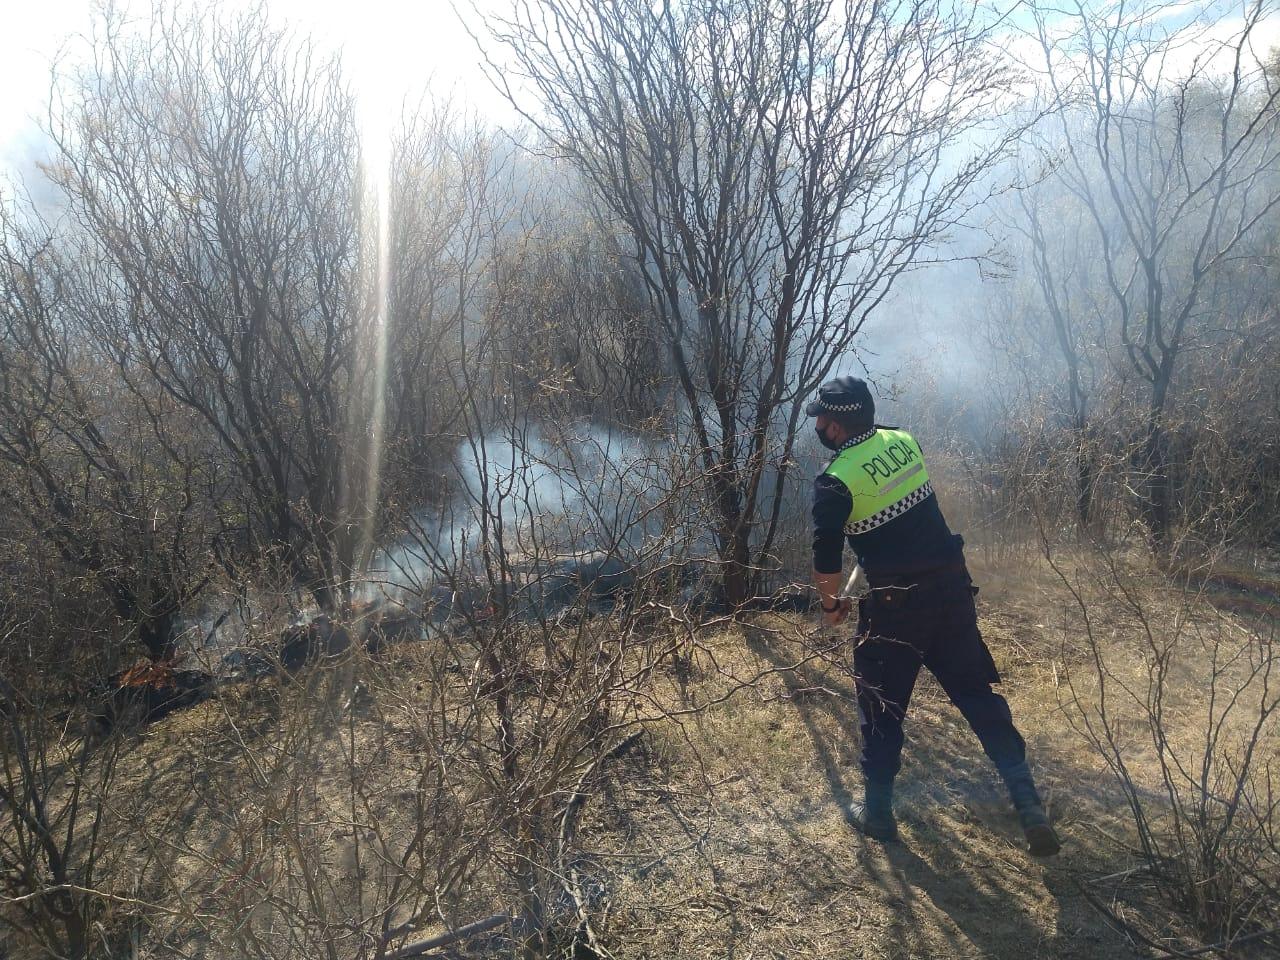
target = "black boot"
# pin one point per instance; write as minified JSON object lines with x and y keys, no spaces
{"x":1042,"y":840}
{"x":874,"y":815}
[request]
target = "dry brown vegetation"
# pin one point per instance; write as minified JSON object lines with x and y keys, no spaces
{"x":463,"y":526}
{"x":269,"y":820}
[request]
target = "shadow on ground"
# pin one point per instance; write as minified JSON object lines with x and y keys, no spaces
{"x":760,"y":859}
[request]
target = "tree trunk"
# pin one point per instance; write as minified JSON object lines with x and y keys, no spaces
{"x":736,"y":557}
{"x":1086,"y":477}
{"x":157,"y":636}
{"x":734,"y":545}
{"x":1156,"y":481}
{"x":533,"y":938}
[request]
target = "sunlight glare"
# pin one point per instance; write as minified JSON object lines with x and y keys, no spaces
{"x":375,"y":118}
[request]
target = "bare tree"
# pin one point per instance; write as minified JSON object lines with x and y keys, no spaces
{"x":212,"y":167}
{"x":104,"y":477}
{"x":1166,"y":136}
{"x":774,"y":166}
{"x":441,"y":167}
{"x":1067,"y":309}
{"x":1041,"y":319}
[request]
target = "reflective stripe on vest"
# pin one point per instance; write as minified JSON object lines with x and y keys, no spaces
{"x":886,"y":477}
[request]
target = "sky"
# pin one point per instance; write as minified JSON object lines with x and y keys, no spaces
{"x":389,"y":47}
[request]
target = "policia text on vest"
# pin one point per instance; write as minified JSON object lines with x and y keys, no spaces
{"x":896,"y":456}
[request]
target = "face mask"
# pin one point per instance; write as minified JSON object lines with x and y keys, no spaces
{"x":823,"y":439}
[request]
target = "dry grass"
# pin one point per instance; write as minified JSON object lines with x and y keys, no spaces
{"x":732,"y":839}
{"x":724,"y":834}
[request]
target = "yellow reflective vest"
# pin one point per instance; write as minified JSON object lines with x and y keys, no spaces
{"x":885,"y":475}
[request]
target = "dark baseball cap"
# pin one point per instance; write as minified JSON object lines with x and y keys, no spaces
{"x":846,"y":397}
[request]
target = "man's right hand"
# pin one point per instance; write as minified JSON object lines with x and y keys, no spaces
{"x":841,"y":613}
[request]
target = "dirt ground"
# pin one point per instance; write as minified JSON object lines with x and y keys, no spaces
{"x":723,"y":832}
{"x":729,"y":839}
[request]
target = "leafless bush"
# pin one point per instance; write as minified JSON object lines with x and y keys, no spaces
{"x":1180,"y":699}
{"x":545,"y":577}
{"x":58,"y":885}
{"x":447,"y":788}
{"x":105,"y":485}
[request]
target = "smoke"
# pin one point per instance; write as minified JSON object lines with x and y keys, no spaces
{"x":22,"y":175}
{"x":532,"y":495}
{"x":934,"y":350}
{"x":555,"y":509}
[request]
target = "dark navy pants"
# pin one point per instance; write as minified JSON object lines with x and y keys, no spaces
{"x":929,"y":621}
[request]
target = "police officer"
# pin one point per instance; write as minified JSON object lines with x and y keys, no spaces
{"x":875,"y":492}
